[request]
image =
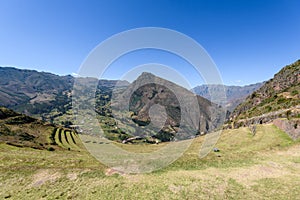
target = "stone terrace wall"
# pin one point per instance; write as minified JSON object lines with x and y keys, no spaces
{"x":291,"y":127}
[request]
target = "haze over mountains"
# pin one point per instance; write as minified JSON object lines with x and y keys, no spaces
{"x":234,"y":94}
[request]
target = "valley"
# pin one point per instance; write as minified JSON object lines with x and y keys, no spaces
{"x":149,"y":100}
{"x":54,"y":157}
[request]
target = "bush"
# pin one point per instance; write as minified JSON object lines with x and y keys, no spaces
{"x":254,"y":94}
{"x":281,"y":100}
{"x":294,"y":92}
{"x":269,"y":108}
{"x":50,"y":149}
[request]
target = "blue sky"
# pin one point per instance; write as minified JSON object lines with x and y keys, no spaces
{"x":248,"y":40}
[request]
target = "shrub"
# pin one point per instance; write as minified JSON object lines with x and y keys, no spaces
{"x":281,"y":100}
{"x":294,"y":92}
{"x":269,"y":108}
{"x":254,"y":94}
{"x":50,"y":149}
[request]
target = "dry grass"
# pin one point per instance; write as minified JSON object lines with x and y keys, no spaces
{"x":264,"y":166}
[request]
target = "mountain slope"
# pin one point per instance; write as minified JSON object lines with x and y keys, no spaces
{"x":153,"y":100}
{"x":20,"y":130}
{"x":42,"y":95}
{"x":23,"y":131}
{"x":49,"y":97}
{"x":234,"y":94}
{"x":21,"y":86}
{"x":280,"y":92}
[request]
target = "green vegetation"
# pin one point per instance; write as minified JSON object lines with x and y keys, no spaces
{"x":41,"y":161}
{"x":281,"y":92}
{"x":274,"y":103}
{"x":294,"y":92}
{"x":264,"y":166}
{"x":67,"y":139}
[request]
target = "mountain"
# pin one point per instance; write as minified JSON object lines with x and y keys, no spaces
{"x":40,"y":94}
{"x":280,"y":96}
{"x":49,"y":97}
{"x":164,"y":107}
{"x":234,"y":94}
{"x":19,"y":87}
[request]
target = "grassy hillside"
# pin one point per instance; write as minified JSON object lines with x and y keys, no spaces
{"x":23,"y":131}
{"x":263,"y":166}
{"x":280,"y":92}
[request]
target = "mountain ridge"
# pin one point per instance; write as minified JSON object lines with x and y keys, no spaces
{"x":36,"y":93}
{"x":280,"y":92}
{"x":149,"y":90}
{"x":234,"y":94}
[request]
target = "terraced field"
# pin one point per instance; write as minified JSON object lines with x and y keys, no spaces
{"x":67,"y":139}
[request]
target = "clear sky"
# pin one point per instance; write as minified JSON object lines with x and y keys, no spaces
{"x":249,"y":40}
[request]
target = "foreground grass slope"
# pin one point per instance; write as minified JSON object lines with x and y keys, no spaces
{"x":263,"y":166}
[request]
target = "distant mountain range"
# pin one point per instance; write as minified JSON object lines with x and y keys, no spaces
{"x":49,"y":97}
{"x":234,"y":94}
{"x":125,"y":109}
{"x":35,"y":93}
{"x":39,"y":94}
{"x":19,"y":87}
